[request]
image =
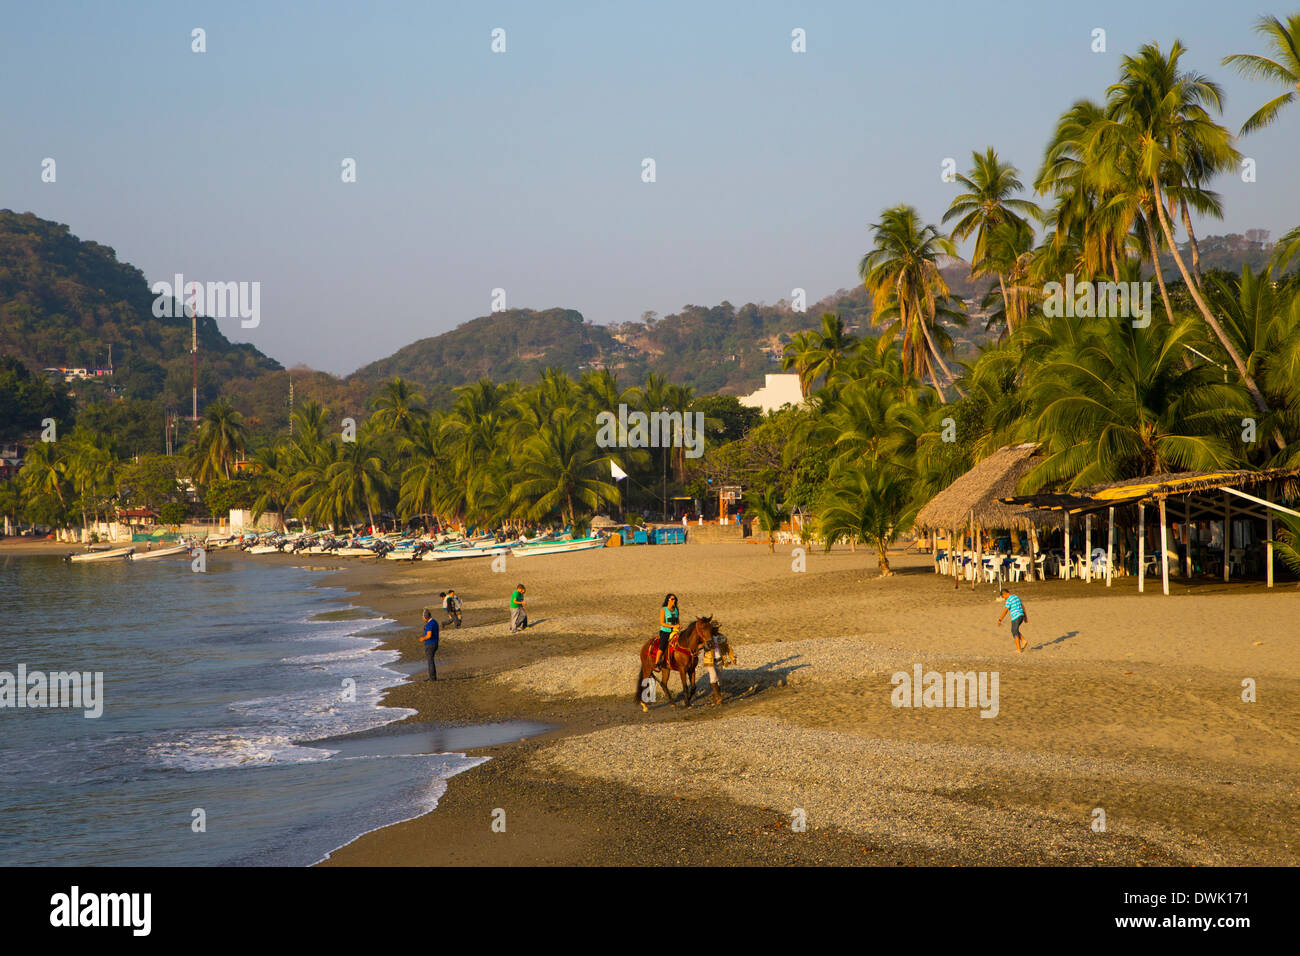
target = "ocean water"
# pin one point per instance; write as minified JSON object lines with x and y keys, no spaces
{"x":213,"y":685}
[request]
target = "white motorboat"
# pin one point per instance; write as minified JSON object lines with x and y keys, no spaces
{"x":101,"y":555}
{"x":160,"y":553}
{"x":557,"y":547}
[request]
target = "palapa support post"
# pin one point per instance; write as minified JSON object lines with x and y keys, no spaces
{"x":1187,"y":533}
{"x":1110,"y":545}
{"x":1164,"y":548}
{"x":1142,"y":547}
{"x":1087,"y":548}
{"x":978,"y":569}
{"x":1067,"y":545}
{"x":1227,"y":536}
{"x":1269,"y":546}
{"x":1033,"y":552}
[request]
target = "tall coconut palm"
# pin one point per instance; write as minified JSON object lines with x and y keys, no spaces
{"x":902,"y":273}
{"x":1282,"y":68}
{"x":220,"y":437}
{"x":989,"y":203}
{"x":1158,"y":114}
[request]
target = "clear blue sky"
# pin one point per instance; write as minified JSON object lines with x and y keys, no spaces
{"x":522,"y":170}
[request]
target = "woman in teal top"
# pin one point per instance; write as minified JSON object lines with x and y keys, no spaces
{"x":668,"y":615}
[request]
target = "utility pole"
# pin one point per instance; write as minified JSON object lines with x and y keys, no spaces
{"x":194,"y":353}
{"x":291,"y":405}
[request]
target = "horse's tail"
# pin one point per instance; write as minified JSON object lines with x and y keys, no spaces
{"x":640,"y":676}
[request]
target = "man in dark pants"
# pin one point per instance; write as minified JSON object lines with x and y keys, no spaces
{"x":430,"y":642}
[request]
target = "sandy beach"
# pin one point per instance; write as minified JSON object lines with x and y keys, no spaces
{"x":1124,"y":703}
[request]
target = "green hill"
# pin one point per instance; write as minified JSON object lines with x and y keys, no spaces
{"x":64,"y":301}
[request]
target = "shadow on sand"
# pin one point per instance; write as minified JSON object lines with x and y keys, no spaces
{"x":1060,"y":640}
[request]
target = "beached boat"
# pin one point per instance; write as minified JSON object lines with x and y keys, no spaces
{"x":101,"y":555}
{"x":557,"y":547}
{"x":456,"y":552}
{"x":160,"y":553}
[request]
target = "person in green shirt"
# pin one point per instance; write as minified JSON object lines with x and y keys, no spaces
{"x":518,"y":609}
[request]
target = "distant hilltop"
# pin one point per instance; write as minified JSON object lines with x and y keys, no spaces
{"x":68,"y":304}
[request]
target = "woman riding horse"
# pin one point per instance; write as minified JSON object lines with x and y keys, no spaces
{"x":681,"y":655}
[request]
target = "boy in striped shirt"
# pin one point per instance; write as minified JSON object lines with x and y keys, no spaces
{"x":1015,"y":607}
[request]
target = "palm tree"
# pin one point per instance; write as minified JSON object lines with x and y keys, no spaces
{"x":1157,"y":116}
{"x":272,"y":481}
{"x":89,"y":464}
{"x":42,"y":481}
{"x":424,"y":480}
{"x":1121,"y":402}
{"x":220,"y":437}
{"x":902,"y":273}
{"x":397,"y":407}
{"x":1284,"y":69}
{"x":771,"y":513}
{"x":871,"y":503}
{"x":987,"y":205}
{"x":560,"y":468}
{"x":356,"y":480}
{"x":798,"y":354}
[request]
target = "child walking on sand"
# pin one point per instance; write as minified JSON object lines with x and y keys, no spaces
{"x":1015,"y":607}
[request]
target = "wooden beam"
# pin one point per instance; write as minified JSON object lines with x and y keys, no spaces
{"x":1259,"y":501}
{"x":1142,"y":547}
{"x":1164,"y":548}
{"x":1187,"y":533}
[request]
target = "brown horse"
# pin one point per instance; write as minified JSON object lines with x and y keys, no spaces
{"x":682,"y":656}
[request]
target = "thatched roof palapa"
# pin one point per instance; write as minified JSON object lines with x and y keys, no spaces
{"x":980,"y":492}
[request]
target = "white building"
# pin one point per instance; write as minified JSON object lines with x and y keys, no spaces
{"x":779,"y":390}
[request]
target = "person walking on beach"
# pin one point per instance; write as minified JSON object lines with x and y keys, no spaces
{"x":1015,"y":607}
{"x":518,"y":609}
{"x":453,"y":608}
{"x":668,"y":623}
{"x":430,"y":641}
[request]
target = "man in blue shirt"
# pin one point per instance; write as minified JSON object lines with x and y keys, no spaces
{"x":1015,"y":607}
{"x":430,"y":642}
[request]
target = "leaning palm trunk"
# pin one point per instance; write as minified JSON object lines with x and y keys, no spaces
{"x":1154,"y":252}
{"x":1196,"y":246}
{"x":1210,"y":320}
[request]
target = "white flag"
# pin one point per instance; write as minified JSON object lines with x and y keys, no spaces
{"x":615,"y":471}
